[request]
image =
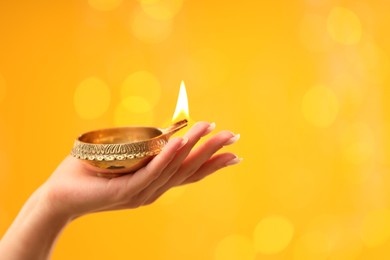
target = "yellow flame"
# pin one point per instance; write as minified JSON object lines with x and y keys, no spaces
{"x":181,"y":111}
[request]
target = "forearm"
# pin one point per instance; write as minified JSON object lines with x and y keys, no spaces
{"x":34,"y":231}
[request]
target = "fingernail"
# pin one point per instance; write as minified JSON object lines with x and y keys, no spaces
{"x":210,"y":128}
{"x":232,"y":140}
{"x":183,"y":142}
{"x":233,"y":161}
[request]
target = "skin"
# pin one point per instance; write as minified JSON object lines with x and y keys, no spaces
{"x":74,"y":190}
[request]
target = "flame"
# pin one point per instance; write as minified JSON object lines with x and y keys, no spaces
{"x":181,"y":111}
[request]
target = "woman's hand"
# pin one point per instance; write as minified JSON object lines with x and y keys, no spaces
{"x":74,"y":189}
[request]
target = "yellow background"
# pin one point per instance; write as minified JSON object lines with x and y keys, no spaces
{"x":305,"y":83}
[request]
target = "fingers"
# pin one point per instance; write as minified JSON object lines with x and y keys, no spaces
{"x":131,"y":188}
{"x":200,"y":155}
{"x":199,"y":130}
{"x":193,"y":135}
{"x":192,"y":163}
{"x":143,"y":177}
{"x":214,"y":164}
{"x":179,"y":163}
{"x":177,"y":149}
{"x":159,"y":163}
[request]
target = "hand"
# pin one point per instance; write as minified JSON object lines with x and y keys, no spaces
{"x":74,"y":189}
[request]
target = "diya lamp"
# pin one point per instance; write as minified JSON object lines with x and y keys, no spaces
{"x":112,"y":152}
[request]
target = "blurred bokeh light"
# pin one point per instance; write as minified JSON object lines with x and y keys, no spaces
{"x":305,"y":84}
{"x":91,"y":98}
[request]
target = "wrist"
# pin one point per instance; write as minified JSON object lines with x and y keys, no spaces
{"x":52,"y":207}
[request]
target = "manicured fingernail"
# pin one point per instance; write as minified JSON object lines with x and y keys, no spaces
{"x":210,"y":128}
{"x":233,"y":161}
{"x":183,"y":142}
{"x":232,"y":140}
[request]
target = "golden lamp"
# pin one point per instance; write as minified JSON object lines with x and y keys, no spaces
{"x":116,"y":151}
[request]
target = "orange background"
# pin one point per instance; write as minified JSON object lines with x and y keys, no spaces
{"x":305,"y":83}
